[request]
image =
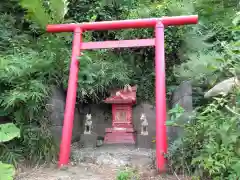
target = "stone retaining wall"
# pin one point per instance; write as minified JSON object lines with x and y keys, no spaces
{"x":182,"y":96}
{"x":56,"y":106}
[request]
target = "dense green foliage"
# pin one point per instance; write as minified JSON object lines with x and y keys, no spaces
{"x":213,"y":134}
{"x":32,"y":62}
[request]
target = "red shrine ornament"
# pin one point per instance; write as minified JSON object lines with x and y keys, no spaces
{"x":122,"y":131}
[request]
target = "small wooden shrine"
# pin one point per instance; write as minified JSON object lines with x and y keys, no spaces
{"x":122,"y":130}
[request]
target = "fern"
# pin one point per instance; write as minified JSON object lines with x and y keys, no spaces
{"x":36,"y":12}
{"x":41,"y":13}
{"x":26,"y":78}
{"x":97,"y":76}
{"x":58,"y":9}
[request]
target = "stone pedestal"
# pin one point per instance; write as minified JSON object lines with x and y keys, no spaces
{"x":144,"y":141}
{"x":88,"y":140}
{"x":120,"y":136}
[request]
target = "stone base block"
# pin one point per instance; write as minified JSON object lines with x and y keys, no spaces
{"x":144,"y":141}
{"x":88,"y":140}
{"x":57,"y":134}
{"x":120,"y":138}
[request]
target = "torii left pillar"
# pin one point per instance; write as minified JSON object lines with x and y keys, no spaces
{"x":71,"y":98}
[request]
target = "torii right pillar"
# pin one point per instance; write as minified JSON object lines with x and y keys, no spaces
{"x":160,"y":93}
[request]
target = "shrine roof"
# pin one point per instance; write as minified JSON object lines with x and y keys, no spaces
{"x":122,"y":96}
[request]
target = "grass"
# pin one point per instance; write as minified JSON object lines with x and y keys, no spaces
{"x":127,"y":174}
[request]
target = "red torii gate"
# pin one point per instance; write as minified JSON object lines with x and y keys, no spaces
{"x":160,"y":87}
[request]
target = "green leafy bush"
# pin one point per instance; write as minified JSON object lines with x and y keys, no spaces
{"x":214,"y":140}
{"x":175,"y":113}
{"x":7,"y":132}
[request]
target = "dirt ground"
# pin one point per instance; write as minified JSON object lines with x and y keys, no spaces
{"x":85,"y":172}
{"x":99,"y":164}
{"x":76,"y":172}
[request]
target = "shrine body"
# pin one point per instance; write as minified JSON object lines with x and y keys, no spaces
{"x":122,"y":130}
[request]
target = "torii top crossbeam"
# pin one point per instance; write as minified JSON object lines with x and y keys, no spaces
{"x":124,"y":24}
{"x":160,"y":86}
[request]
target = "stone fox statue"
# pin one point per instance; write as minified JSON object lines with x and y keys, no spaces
{"x":88,"y":124}
{"x":144,"y":125}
